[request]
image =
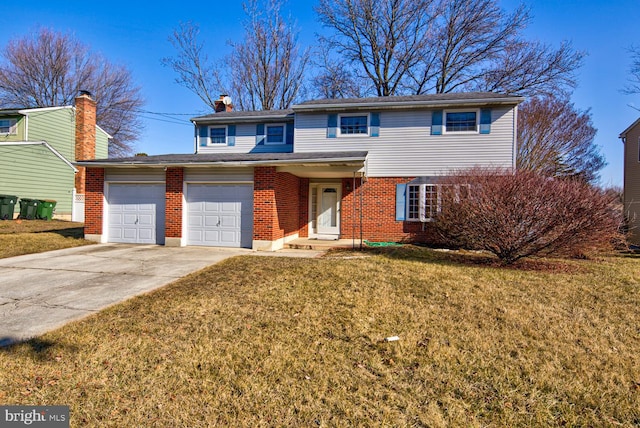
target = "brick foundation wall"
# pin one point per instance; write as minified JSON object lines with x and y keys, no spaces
{"x":93,"y":201}
{"x":303,"y":207}
{"x":173,"y":202}
{"x":375,"y":199}
{"x":288,"y":203}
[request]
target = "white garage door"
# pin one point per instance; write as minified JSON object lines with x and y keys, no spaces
{"x":220,"y":215}
{"x":136,"y":213}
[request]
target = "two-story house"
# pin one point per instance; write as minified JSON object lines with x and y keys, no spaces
{"x":363,"y":168}
{"x":631,"y":181}
{"x":38,"y":147}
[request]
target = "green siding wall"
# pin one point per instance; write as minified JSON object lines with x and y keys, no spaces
{"x":35,"y":172}
{"x":56,"y":127}
{"x":20,"y":125}
{"x":102,"y":144}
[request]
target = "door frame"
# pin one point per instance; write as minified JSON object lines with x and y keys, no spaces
{"x":316,"y":187}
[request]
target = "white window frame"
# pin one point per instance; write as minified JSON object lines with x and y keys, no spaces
{"x":425,"y":193}
{"x":444,"y":121}
{"x":226,"y":135}
{"x":13,"y":128}
{"x":366,"y":134}
{"x":273,"y":125}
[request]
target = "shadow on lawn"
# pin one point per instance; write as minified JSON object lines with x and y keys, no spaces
{"x":36,"y":347}
{"x":72,"y":232}
{"x":430,"y":255}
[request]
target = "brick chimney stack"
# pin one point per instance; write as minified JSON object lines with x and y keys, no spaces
{"x":85,"y":134}
{"x":223,"y":104}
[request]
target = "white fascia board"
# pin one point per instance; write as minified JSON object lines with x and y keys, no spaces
{"x":230,"y":164}
{"x":26,"y":111}
{"x":40,"y":143}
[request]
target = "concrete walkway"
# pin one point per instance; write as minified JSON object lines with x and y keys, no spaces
{"x":41,"y":292}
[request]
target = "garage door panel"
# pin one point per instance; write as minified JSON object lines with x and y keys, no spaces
{"x":136,"y":213}
{"x":225,"y":214}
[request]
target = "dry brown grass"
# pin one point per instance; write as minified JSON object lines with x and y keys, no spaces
{"x":18,"y":237}
{"x":261,"y":341}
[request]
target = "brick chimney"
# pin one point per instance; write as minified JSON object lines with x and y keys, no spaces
{"x":223,"y":104}
{"x":85,"y":134}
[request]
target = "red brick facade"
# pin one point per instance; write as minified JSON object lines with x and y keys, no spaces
{"x":85,"y":144}
{"x":94,"y":201}
{"x":173,"y":202}
{"x":276,"y":204}
{"x":368,"y":211}
{"x":281,"y":207}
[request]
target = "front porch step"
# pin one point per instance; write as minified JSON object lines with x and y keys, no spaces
{"x":321,"y":245}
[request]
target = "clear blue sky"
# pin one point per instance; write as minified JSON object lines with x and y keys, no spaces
{"x":134,"y":33}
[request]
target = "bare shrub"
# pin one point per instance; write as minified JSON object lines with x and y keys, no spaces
{"x":516,"y":215}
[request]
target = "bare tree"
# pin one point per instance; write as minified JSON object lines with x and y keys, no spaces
{"x":334,"y":80}
{"x":267,"y":67}
{"x":445,"y":46}
{"x":633,"y":86}
{"x":265,"y":71}
{"x":555,"y":139}
{"x":385,"y":39}
{"x":192,"y":65}
{"x":49,"y":69}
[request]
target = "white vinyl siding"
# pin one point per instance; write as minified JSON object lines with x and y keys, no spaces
{"x":405,"y":147}
{"x":245,"y":141}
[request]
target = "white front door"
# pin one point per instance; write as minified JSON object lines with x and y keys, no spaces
{"x":328,"y":217}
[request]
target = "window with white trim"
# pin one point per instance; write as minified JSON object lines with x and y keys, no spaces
{"x":217,"y":135}
{"x":275,"y":134}
{"x":424,"y":201}
{"x":461,"y":121}
{"x":354,"y":124}
{"x":8,"y":126}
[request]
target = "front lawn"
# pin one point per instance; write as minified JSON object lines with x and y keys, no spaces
{"x":18,"y":237}
{"x":268,"y":341}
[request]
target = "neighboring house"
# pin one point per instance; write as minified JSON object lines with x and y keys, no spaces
{"x":38,"y":147}
{"x":631,"y":139}
{"x":362,"y":168}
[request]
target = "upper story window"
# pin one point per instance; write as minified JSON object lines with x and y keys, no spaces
{"x":461,"y":121}
{"x":218,"y":135}
{"x":8,"y":126}
{"x":354,"y":125}
{"x":275,"y":134}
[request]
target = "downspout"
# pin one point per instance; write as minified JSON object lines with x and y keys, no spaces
{"x":195,"y":138}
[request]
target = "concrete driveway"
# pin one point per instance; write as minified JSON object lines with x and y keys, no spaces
{"x":40,"y":292}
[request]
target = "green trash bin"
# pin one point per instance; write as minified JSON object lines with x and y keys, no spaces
{"x":45,"y":209}
{"x":28,"y":208}
{"x":7,"y":206}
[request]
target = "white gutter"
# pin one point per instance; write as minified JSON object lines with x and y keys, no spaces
{"x":41,"y":143}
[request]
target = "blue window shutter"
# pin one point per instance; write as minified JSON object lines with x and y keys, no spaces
{"x":231,"y":135}
{"x":289,"y":139}
{"x":436,"y":122}
{"x":203,"y":132}
{"x":374,"y":128}
{"x":260,"y":135}
{"x":401,"y":190}
{"x":485,"y":121}
{"x":332,"y":126}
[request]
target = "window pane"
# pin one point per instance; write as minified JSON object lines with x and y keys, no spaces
{"x":461,"y":121}
{"x":275,"y":134}
{"x":413,"y":201}
{"x":350,"y":125}
{"x":218,"y":135}
{"x":430,"y":201}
